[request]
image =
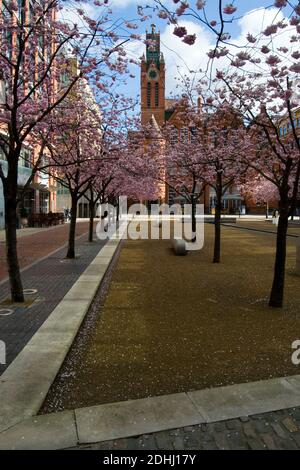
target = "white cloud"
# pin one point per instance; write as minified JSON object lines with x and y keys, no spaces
{"x":180,"y":57}
{"x":71,"y":16}
{"x":127,"y":3}
{"x":257,"y":20}
{"x":123,"y":3}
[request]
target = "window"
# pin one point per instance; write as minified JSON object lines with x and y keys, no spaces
{"x":193,"y":133}
{"x":174,"y":136}
{"x":26,"y":158}
{"x":21,"y":12}
{"x":149,"y":95}
{"x":6,"y":32}
{"x":184,"y":135}
{"x":156,"y":95}
{"x":43,"y":174}
{"x":61,"y":189}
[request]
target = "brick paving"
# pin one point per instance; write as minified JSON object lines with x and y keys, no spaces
{"x":44,"y":242}
{"x":52,"y":277}
{"x":269,"y":431}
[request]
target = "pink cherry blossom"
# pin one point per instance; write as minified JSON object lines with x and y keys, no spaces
{"x":180,"y":31}
{"x":200,"y":4}
{"x":190,"y":39}
{"x":229,"y":9}
{"x":280,"y":3}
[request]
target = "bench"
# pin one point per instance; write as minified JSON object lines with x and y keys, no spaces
{"x":46,"y":220}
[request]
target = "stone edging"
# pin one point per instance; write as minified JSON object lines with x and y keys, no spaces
{"x":25,"y":383}
{"x":106,"y":422}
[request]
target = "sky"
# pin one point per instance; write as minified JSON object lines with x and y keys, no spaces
{"x":179,"y":57}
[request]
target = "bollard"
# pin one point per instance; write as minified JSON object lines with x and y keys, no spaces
{"x":179,"y":246}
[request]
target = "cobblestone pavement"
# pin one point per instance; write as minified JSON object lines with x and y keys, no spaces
{"x":44,"y":242}
{"x":52,"y":277}
{"x":270,"y":431}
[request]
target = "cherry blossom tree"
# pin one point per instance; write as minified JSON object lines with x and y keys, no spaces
{"x":206,"y":154}
{"x":118,"y":172}
{"x":275,"y":155}
{"x":223,"y":140}
{"x":38,"y":51}
{"x":75,"y":148}
{"x":260,"y":79}
{"x":260,"y":190}
{"x":182,"y":158}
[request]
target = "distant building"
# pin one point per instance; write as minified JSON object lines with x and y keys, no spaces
{"x":40,"y":197}
{"x":285,"y":125}
{"x":158,"y":110}
{"x":63,"y":197}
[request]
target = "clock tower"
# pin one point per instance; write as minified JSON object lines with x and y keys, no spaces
{"x":153,"y":80}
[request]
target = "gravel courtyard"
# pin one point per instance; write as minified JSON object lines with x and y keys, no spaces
{"x":170,"y":324}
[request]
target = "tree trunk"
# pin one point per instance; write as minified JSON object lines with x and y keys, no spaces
{"x":10,"y":196}
{"x":218,"y":212}
{"x":267,"y":210}
{"x":91,"y":225}
{"x":118,"y":209}
{"x":71,"y":245}
{"x":10,"y":191}
{"x":277,"y":292}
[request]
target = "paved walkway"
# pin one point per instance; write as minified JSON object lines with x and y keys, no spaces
{"x":52,"y":277}
{"x":44,"y":241}
{"x":25,"y":232}
{"x":268,"y":431}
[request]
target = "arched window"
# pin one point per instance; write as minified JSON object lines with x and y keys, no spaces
{"x":156,"y":95}
{"x":149,"y":95}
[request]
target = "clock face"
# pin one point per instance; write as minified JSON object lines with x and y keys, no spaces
{"x":153,"y":74}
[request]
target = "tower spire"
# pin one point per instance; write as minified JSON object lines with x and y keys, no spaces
{"x":153,"y":80}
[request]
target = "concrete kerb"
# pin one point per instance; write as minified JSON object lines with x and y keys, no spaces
{"x":25,"y":383}
{"x":247,"y":399}
{"x":143,"y":416}
{"x":49,"y":432}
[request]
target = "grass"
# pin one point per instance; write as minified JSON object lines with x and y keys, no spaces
{"x":171,"y":324}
